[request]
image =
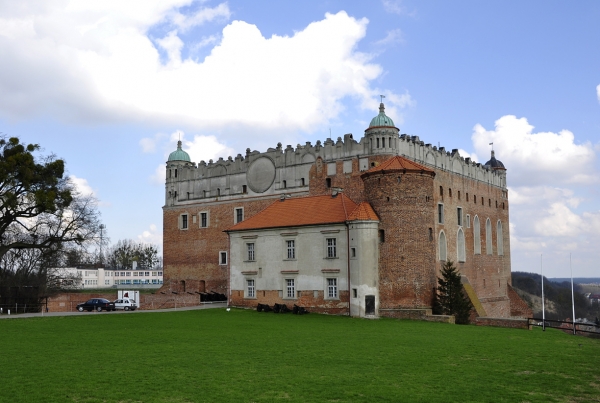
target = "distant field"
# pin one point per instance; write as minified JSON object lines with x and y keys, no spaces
{"x":246,"y":356}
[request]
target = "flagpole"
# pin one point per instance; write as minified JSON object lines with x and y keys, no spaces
{"x":543,"y":307}
{"x":572,"y":293}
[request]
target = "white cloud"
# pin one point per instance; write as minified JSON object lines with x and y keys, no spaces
{"x":203,"y":148}
{"x":466,"y":154}
{"x":598,"y":92}
{"x":396,"y":7}
{"x":159,"y":175}
{"x":184,"y":22}
{"x":532,"y":158}
{"x":152,"y":235}
{"x":82,"y":186}
{"x":149,"y":144}
{"x":100,"y":64}
{"x":391,"y":38}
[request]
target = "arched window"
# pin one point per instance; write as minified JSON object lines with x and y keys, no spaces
{"x":476,"y":236}
{"x":442,"y":242}
{"x":488,"y":237}
{"x":499,"y":241}
{"x":460,"y":246}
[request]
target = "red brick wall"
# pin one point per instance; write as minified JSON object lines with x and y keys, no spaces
{"x":191,"y":257}
{"x":488,"y":274}
{"x":306,"y":300}
{"x":407,"y":257}
{"x":66,"y":302}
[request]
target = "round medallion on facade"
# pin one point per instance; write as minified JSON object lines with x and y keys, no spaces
{"x":261,"y":174}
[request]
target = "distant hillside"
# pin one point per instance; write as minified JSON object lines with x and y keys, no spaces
{"x":577,"y":280}
{"x":557,"y":295}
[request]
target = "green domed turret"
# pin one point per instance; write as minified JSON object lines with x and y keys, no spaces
{"x":179,"y":154}
{"x":382,"y":119}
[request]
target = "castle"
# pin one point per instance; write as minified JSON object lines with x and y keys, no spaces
{"x":344,"y":227}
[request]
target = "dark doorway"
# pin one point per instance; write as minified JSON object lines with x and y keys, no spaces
{"x":369,"y":304}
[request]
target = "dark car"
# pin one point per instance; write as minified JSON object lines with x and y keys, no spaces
{"x":98,"y":304}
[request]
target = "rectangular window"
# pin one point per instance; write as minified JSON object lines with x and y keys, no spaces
{"x":135,"y":274}
{"x":381,"y":235}
{"x":146,"y":273}
{"x":332,"y":291}
{"x":291,"y":249}
{"x":331,"y":248}
{"x":250,"y":247}
{"x":290,"y":288}
{"x":352,"y":252}
{"x":203,"y":220}
{"x":239,"y":215}
{"x":250,"y":290}
{"x":459,"y":215}
{"x":440,"y":213}
{"x":222,"y":258}
{"x":106,"y":282}
{"x":184,"y":221}
{"x":128,"y":274}
{"x":160,"y":273}
{"x":468,"y":221}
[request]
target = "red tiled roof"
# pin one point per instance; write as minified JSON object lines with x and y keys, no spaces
{"x":399,"y":163}
{"x":363,"y":212}
{"x":294,"y":212}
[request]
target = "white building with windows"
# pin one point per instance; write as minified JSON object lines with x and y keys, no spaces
{"x":94,"y":278}
{"x":305,"y":250}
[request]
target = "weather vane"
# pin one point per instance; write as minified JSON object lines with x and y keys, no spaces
{"x":492,"y":144}
{"x":382,"y":96}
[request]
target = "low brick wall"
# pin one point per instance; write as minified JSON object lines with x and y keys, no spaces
{"x":503,"y":322}
{"x":67,"y":302}
{"x":415,"y":314}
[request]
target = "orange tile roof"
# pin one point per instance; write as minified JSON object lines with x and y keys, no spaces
{"x":294,"y":212}
{"x":363,"y":212}
{"x":399,"y":163}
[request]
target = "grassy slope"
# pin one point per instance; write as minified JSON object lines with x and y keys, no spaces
{"x":214,"y":356}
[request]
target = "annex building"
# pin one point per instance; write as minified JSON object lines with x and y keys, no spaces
{"x":359,"y":227}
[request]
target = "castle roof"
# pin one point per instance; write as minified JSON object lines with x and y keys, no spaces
{"x":494,"y":163}
{"x":179,"y":154}
{"x":382,"y":119}
{"x":363,"y":212}
{"x":311,"y":210}
{"x":396,"y":164}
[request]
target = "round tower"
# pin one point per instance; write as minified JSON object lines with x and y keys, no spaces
{"x":401,"y":193}
{"x":382,"y":135}
{"x":176,"y":164}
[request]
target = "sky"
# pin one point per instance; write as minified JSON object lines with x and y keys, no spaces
{"x":111,"y":86}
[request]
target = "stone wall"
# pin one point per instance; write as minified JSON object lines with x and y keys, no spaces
{"x":67,"y":302}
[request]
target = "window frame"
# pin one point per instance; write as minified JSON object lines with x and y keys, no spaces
{"x":251,"y":251}
{"x":290,"y":288}
{"x":459,"y":216}
{"x":331,"y":288}
{"x":204,"y":218}
{"x":331,"y":248}
{"x":221,"y":254}
{"x":289,"y":249}
{"x":237,"y":211}
{"x":184,"y":222}
{"x":440,"y":213}
{"x":250,"y":289}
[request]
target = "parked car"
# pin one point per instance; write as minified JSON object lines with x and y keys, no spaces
{"x":98,"y":304}
{"x":126,"y":304}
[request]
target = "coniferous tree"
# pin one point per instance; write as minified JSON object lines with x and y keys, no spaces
{"x":450,"y":298}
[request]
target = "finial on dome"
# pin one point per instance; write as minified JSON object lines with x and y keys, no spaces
{"x":179,"y":145}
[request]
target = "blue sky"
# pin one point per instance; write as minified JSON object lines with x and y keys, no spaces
{"x":110,"y":86}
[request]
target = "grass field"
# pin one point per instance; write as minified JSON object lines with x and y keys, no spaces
{"x":246,"y":356}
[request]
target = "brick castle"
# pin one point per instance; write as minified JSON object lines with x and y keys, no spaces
{"x":343,"y":227}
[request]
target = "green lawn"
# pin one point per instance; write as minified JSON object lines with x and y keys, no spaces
{"x":246,"y":356}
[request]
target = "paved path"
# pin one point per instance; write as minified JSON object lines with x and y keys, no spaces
{"x":214,"y":305}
